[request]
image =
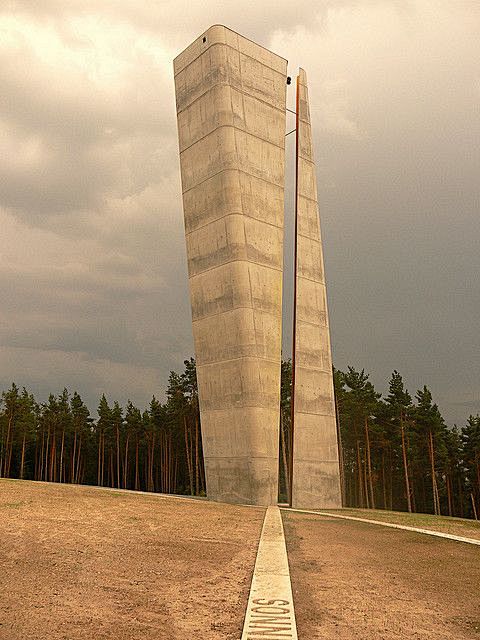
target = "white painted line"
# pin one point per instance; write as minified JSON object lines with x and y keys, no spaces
{"x":428,"y":532}
{"x":270,"y":613}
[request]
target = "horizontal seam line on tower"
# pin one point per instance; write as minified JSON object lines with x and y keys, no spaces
{"x":195,"y":275}
{"x":314,"y":324}
{"x":245,"y":406}
{"x":322,"y":461}
{"x":235,"y":128}
{"x":247,"y":457}
{"x":311,"y":368}
{"x":302,"y":235}
{"x":224,"y":44}
{"x":261,"y":264}
{"x":230,"y":86}
{"x":247,"y":173}
{"x":253,"y":357}
{"x":219,"y":313}
{"x":312,"y":280}
{"x":311,"y":413}
{"x":307,"y":160}
{"x":233,"y":213}
{"x":300,"y":195}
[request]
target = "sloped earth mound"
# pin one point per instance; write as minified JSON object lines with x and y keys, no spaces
{"x":360,"y":581}
{"x":82,"y":563}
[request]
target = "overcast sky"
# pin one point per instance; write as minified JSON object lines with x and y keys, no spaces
{"x":93,"y":283}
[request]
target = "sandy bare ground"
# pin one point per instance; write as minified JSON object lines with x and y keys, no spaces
{"x":443,"y":524}
{"x":358,"y":581}
{"x":78,"y":563}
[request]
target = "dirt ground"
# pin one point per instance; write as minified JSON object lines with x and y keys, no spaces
{"x":358,"y":581}
{"x":444,"y":524}
{"x":86,"y":563}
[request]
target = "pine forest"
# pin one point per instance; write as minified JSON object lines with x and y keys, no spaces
{"x":396,"y":451}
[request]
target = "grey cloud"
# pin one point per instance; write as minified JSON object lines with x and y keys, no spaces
{"x":177,"y":22}
{"x":50,"y":371}
{"x":74,"y":142}
{"x":173,"y":19}
{"x":92,"y":262}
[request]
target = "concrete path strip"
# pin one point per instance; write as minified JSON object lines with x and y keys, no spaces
{"x":438,"y":534}
{"x":270,"y":613}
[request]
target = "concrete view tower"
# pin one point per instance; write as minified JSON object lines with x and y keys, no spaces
{"x":231,"y":110}
{"x":315,"y":479}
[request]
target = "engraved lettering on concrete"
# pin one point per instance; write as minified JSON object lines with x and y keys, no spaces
{"x":270,"y":612}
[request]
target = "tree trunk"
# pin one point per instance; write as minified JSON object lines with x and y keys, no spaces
{"x":102,"y":476}
{"x":460,"y":497}
{"x":197,"y":461}
{"x":98,"y":458}
{"x":360,"y":478}
{"x":414,"y":501}
{"x":449,"y":495}
{"x":286,"y":471}
{"x":172,"y":465}
{"x":365,"y":485}
{"x":40,"y":477}
{"x":74,"y":456}
{"x":151,"y":460}
{"x":53,"y":455}
{"x":341,"y":462}
{"x":22,"y":461}
{"x":187,"y":455}
{"x":35,"y":457}
{"x":369,"y":463}
{"x":118,"y":457}
{"x":137,"y":478}
{"x":405,"y":467}
{"x":60,"y":475}
{"x":436,"y":504}
{"x":384,"y":482}
{"x":8,"y":447}
{"x":78,"y":462}
{"x":125,"y":465}
{"x":474,"y":508}
{"x":111,"y":471}
{"x":175,"y":475}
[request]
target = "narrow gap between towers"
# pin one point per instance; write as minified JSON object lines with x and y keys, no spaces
{"x":285,"y":432}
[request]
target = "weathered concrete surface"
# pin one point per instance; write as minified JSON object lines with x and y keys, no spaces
{"x":231,"y":123}
{"x":316,"y":479}
{"x":270,"y":611}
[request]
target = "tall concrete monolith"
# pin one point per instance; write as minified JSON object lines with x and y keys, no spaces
{"x":230,"y":95}
{"x":315,"y":475}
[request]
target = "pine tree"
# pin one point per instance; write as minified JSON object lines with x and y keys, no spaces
{"x":399,"y":404}
{"x":134,"y":427}
{"x":470,"y":437}
{"x":429,"y":425}
{"x":103,"y":428}
{"x":81,"y":432}
{"x":361,"y":404}
{"x":12,"y":406}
